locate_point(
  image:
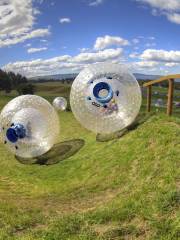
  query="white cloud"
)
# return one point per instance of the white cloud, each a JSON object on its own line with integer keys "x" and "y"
{"x": 145, "y": 64}
{"x": 64, "y": 20}
{"x": 16, "y": 16}
{"x": 163, "y": 4}
{"x": 150, "y": 61}
{"x": 43, "y": 40}
{"x": 17, "y": 21}
{"x": 40, "y": 1}
{"x": 169, "y": 8}
{"x": 100, "y": 56}
{"x": 63, "y": 63}
{"x": 134, "y": 55}
{"x": 135, "y": 41}
{"x": 155, "y": 61}
{"x": 106, "y": 41}
{"x": 28, "y": 45}
{"x": 82, "y": 50}
{"x": 94, "y": 3}
{"x": 151, "y": 38}
{"x": 148, "y": 45}
{"x": 161, "y": 55}
{"x": 22, "y": 38}
{"x": 146, "y": 67}
{"x": 174, "y": 17}
{"x": 34, "y": 50}
{"x": 171, "y": 64}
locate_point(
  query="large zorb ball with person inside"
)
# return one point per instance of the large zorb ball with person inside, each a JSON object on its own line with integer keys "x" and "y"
{"x": 29, "y": 126}
{"x": 105, "y": 97}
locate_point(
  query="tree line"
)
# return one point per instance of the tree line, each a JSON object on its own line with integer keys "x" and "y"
{"x": 10, "y": 81}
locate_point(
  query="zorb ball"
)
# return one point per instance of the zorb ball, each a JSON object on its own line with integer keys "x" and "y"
{"x": 60, "y": 104}
{"x": 29, "y": 126}
{"x": 105, "y": 98}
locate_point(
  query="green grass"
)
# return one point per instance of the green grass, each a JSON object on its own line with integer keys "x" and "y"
{"x": 127, "y": 188}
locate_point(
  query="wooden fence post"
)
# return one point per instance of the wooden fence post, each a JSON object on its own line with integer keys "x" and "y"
{"x": 149, "y": 93}
{"x": 170, "y": 96}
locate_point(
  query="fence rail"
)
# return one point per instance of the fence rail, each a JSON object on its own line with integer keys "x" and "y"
{"x": 170, "y": 79}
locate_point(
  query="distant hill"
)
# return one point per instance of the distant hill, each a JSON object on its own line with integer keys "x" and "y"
{"x": 54, "y": 77}
{"x": 139, "y": 76}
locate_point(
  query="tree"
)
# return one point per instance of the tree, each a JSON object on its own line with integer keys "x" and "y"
{"x": 5, "y": 82}
{"x": 24, "y": 89}
{"x": 10, "y": 80}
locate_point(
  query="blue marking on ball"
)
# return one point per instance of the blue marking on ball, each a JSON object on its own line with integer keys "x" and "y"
{"x": 16, "y": 132}
{"x": 103, "y": 86}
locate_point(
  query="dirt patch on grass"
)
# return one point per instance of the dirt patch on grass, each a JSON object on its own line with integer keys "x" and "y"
{"x": 59, "y": 206}
{"x": 136, "y": 229}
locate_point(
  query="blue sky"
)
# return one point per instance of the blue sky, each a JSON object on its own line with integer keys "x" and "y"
{"x": 47, "y": 37}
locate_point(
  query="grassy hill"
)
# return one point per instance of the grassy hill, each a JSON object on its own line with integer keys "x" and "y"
{"x": 127, "y": 188}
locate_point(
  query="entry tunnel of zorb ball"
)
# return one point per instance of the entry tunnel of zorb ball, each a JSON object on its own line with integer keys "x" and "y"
{"x": 29, "y": 126}
{"x": 105, "y": 98}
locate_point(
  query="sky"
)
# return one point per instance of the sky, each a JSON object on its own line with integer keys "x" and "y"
{"x": 44, "y": 37}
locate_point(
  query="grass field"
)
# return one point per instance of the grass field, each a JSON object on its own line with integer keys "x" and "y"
{"x": 127, "y": 188}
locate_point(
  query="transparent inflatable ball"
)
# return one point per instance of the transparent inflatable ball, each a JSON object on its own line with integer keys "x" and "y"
{"x": 105, "y": 98}
{"x": 29, "y": 126}
{"x": 60, "y": 103}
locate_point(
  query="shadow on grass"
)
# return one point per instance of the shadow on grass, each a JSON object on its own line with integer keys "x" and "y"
{"x": 141, "y": 118}
{"x": 59, "y": 152}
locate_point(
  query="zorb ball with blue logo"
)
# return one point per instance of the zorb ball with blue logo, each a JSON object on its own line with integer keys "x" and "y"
{"x": 29, "y": 126}
{"x": 105, "y": 97}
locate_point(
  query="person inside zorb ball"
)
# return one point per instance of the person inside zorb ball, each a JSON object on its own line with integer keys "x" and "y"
{"x": 105, "y": 97}
{"x": 29, "y": 126}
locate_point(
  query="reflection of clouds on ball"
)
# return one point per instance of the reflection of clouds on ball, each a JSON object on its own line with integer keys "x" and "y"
{"x": 60, "y": 103}
{"x": 105, "y": 97}
{"x": 29, "y": 126}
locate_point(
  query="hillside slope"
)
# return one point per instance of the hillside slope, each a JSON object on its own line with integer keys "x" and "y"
{"x": 126, "y": 188}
